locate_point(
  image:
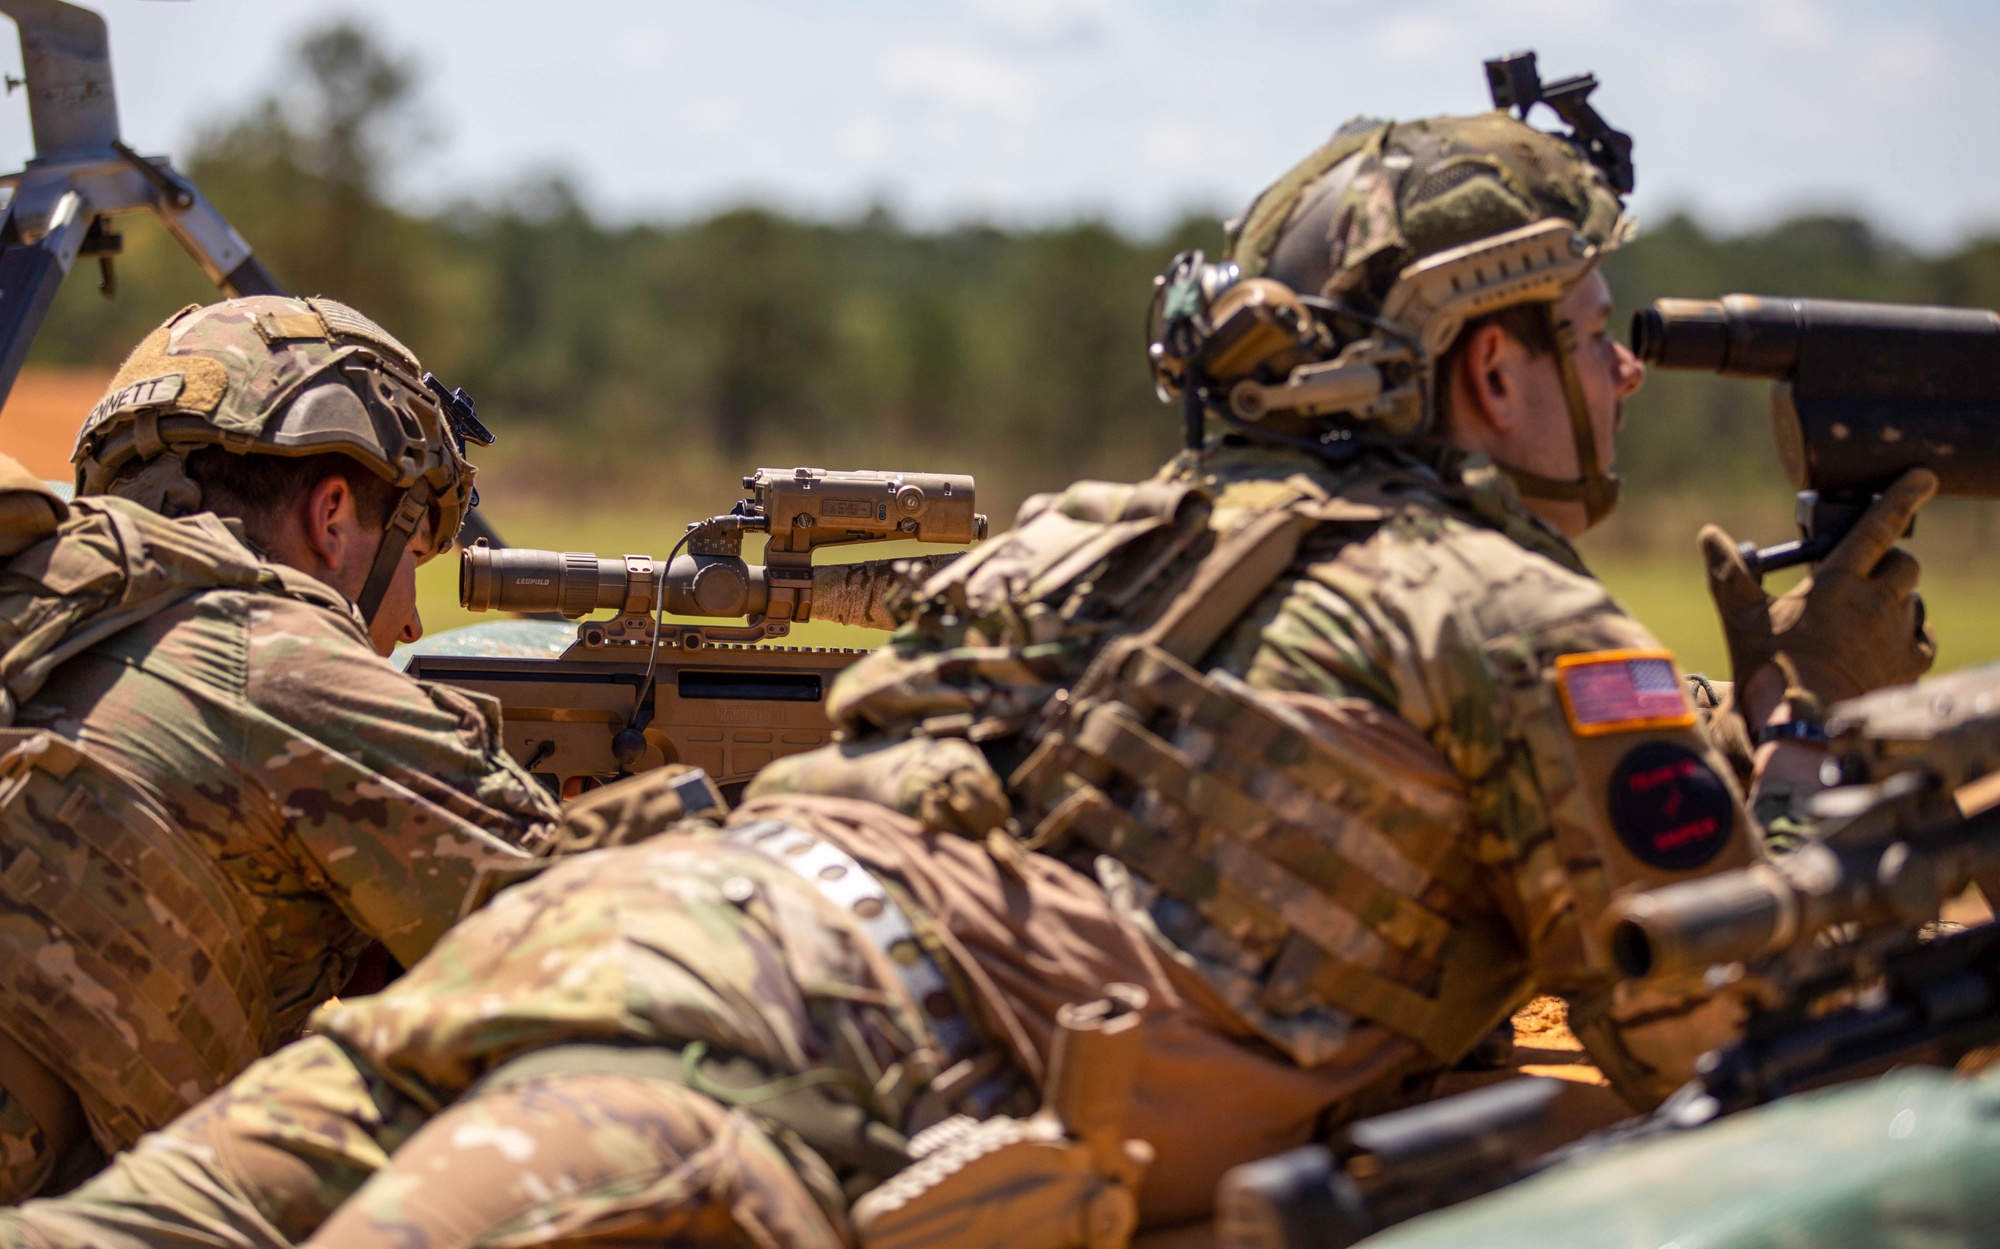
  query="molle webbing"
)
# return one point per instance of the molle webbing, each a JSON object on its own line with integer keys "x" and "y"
{"x": 126, "y": 963}
{"x": 1338, "y": 883}
{"x": 1268, "y": 831}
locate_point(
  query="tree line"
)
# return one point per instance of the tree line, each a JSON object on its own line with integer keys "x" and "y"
{"x": 752, "y": 336}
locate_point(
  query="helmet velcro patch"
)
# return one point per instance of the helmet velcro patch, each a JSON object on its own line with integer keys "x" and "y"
{"x": 203, "y": 380}
{"x": 344, "y": 322}
{"x": 151, "y": 379}
{"x": 1460, "y": 200}
{"x": 283, "y": 326}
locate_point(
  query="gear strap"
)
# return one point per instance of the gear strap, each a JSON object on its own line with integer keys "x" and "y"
{"x": 838, "y": 1130}
{"x": 1595, "y": 489}
{"x": 410, "y": 512}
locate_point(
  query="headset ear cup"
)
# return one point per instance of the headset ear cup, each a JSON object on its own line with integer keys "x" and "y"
{"x": 1261, "y": 330}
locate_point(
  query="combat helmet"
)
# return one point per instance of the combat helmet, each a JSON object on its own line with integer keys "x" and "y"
{"x": 1349, "y": 278}
{"x": 269, "y": 375}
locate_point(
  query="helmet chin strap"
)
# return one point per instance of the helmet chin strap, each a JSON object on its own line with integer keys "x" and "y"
{"x": 1596, "y": 489}
{"x": 396, "y": 535}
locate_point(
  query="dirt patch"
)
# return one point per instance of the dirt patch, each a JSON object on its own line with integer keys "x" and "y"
{"x": 1544, "y": 1024}
{"x": 44, "y": 410}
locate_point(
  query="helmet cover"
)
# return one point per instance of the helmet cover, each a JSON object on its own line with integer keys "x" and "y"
{"x": 272, "y": 375}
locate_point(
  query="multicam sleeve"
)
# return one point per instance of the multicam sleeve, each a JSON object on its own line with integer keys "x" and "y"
{"x": 1586, "y": 772}
{"x": 394, "y": 791}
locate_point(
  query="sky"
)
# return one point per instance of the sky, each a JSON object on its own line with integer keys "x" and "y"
{"x": 1021, "y": 111}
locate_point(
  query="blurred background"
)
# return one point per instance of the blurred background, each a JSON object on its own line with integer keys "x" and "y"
{"x": 664, "y": 243}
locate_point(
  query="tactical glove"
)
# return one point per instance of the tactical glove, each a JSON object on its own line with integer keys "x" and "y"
{"x": 1854, "y": 625}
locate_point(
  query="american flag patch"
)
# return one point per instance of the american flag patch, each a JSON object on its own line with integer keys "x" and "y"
{"x": 1617, "y": 691}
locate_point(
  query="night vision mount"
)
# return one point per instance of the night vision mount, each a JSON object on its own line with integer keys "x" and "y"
{"x": 1516, "y": 83}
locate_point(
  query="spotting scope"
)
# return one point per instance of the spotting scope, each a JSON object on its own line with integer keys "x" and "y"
{"x": 1860, "y": 393}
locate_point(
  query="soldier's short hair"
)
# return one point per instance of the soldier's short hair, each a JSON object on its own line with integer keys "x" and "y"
{"x": 259, "y": 489}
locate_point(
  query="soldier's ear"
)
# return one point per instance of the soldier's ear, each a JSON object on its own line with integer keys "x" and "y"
{"x": 1488, "y": 386}
{"x": 330, "y": 517}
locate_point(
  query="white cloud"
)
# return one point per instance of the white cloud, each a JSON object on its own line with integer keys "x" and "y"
{"x": 959, "y": 77}
{"x": 1071, "y": 24}
{"x": 1031, "y": 109}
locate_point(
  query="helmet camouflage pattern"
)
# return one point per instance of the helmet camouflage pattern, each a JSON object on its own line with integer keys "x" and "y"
{"x": 269, "y": 375}
{"x": 1373, "y": 254}
{"x": 1379, "y": 196}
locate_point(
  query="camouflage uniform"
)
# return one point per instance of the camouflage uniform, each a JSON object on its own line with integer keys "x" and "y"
{"x": 218, "y": 793}
{"x": 382, "y": 1126}
{"x": 1339, "y": 761}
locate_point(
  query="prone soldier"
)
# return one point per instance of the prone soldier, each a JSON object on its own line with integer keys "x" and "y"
{"x": 217, "y": 794}
{"x": 1324, "y": 738}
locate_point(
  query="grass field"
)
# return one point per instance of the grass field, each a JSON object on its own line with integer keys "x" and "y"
{"x": 1651, "y": 565}
{"x": 1669, "y": 595}
{"x": 1667, "y": 592}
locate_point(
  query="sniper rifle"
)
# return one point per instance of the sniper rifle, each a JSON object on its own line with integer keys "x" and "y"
{"x": 633, "y": 692}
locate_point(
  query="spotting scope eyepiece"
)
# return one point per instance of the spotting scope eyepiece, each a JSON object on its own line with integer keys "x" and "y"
{"x": 1892, "y": 353}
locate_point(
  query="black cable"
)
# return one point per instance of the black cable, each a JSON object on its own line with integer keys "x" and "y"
{"x": 659, "y": 603}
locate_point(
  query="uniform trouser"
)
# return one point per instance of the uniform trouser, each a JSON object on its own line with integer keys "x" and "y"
{"x": 311, "y": 1147}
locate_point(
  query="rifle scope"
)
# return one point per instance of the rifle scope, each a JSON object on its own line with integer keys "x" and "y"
{"x": 576, "y": 583}
{"x": 1840, "y": 878}
{"x": 1687, "y": 927}
{"x": 1864, "y": 391}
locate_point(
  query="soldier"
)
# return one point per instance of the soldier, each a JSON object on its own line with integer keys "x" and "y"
{"x": 217, "y": 793}
{"x": 1323, "y": 738}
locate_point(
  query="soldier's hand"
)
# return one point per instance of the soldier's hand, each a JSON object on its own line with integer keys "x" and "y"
{"x": 1854, "y": 625}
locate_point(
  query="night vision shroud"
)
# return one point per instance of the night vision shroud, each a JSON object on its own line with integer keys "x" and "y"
{"x": 1860, "y": 393}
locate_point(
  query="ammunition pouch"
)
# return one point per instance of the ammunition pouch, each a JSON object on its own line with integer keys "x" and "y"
{"x": 1269, "y": 848}
{"x": 1000, "y": 1184}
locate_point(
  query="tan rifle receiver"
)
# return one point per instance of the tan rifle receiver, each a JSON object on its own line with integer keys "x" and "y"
{"x": 633, "y": 692}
